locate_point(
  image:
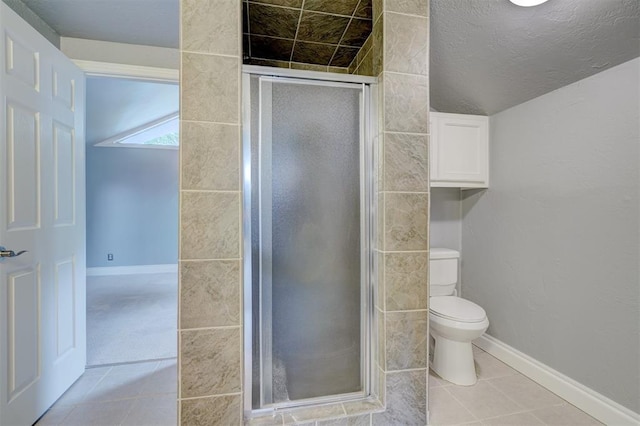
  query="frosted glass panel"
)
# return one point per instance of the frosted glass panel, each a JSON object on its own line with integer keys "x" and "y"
{"x": 309, "y": 241}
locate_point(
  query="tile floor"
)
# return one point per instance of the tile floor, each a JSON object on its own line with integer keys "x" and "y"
{"x": 502, "y": 396}
{"x": 144, "y": 394}
{"x": 139, "y": 394}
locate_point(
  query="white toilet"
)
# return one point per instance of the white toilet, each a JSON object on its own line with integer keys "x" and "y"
{"x": 453, "y": 321}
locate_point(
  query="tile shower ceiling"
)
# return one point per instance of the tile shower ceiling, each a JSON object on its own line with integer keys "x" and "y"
{"x": 321, "y": 32}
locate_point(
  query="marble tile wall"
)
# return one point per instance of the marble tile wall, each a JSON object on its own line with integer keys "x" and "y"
{"x": 400, "y": 58}
{"x": 210, "y": 321}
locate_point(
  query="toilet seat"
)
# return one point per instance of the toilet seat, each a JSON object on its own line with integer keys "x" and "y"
{"x": 456, "y": 309}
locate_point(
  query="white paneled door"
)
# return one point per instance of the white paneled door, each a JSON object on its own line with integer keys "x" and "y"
{"x": 42, "y": 210}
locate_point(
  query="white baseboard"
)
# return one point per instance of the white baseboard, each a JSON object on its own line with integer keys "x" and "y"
{"x": 591, "y": 402}
{"x": 131, "y": 270}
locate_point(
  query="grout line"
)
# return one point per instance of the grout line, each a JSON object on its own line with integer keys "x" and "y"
{"x": 344, "y": 32}
{"x": 209, "y": 396}
{"x": 406, "y": 14}
{"x": 209, "y": 260}
{"x": 407, "y": 370}
{"x": 405, "y": 73}
{"x": 213, "y": 122}
{"x": 407, "y": 192}
{"x": 408, "y": 310}
{"x": 405, "y": 133}
{"x": 234, "y": 191}
{"x": 295, "y": 37}
{"x": 195, "y": 52}
{"x": 460, "y": 402}
{"x": 290, "y": 39}
{"x": 221, "y": 327}
{"x": 296, "y": 8}
{"x": 248, "y": 31}
{"x": 404, "y": 251}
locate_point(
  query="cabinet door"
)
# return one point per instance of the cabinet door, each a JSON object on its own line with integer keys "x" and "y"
{"x": 462, "y": 149}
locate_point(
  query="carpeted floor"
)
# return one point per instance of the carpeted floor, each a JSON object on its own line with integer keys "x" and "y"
{"x": 131, "y": 318}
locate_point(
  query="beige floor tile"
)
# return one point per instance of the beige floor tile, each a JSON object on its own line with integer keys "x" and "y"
{"x": 564, "y": 415}
{"x": 488, "y": 367}
{"x": 483, "y": 400}
{"x": 154, "y": 411}
{"x": 476, "y": 350}
{"x": 436, "y": 381}
{"x": 444, "y": 409}
{"x": 138, "y": 368}
{"x": 526, "y": 392}
{"x": 116, "y": 387}
{"x": 55, "y": 416}
{"x": 77, "y": 393}
{"x": 97, "y": 371}
{"x": 99, "y": 414}
{"x": 520, "y": 419}
{"x": 163, "y": 380}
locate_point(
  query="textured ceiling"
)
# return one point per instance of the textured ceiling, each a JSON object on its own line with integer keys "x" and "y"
{"x": 490, "y": 55}
{"x": 147, "y": 22}
{"x": 316, "y": 32}
{"x": 486, "y": 55}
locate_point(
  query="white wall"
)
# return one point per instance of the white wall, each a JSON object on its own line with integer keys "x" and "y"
{"x": 120, "y": 53}
{"x": 551, "y": 250}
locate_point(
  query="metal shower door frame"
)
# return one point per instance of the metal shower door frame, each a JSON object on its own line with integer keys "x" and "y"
{"x": 269, "y": 76}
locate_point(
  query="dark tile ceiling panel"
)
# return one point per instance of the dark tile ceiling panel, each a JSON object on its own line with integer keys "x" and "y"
{"x": 271, "y": 48}
{"x": 319, "y": 32}
{"x": 321, "y": 28}
{"x": 296, "y": 4}
{"x": 273, "y": 21}
{"x": 357, "y": 32}
{"x": 344, "y": 56}
{"x": 337, "y": 7}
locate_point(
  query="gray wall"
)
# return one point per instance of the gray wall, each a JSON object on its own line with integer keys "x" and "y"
{"x": 132, "y": 206}
{"x": 446, "y": 218}
{"x": 551, "y": 249}
{"x": 132, "y": 193}
{"x": 34, "y": 20}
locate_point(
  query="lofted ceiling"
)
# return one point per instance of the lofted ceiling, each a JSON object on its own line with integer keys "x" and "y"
{"x": 116, "y": 105}
{"x": 486, "y": 55}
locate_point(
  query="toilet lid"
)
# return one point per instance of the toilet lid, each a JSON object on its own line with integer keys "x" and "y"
{"x": 456, "y": 308}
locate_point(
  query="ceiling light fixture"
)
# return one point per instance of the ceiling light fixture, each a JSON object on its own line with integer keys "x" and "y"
{"x": 527, "y": 3}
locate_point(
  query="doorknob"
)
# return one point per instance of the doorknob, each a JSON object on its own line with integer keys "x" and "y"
{"x": 10, "y": 253}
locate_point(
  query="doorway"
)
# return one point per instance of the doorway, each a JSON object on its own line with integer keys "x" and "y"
{"x": 132, "y": 220}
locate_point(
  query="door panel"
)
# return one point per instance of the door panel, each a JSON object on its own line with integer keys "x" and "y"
{"x": 42, "y": 292}
{"x": 23, "y": 151}
{"x": 63, "y": 158}
{"x": 22, "y": 61}
{"x": 24, "y": 336}
{"x": 65, "y": 307}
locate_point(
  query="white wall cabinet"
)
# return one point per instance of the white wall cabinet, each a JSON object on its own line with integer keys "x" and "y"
{"x": 459, "y": 150}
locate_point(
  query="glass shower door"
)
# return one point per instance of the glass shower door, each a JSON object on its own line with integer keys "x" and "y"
{"x": 310, "y": 239}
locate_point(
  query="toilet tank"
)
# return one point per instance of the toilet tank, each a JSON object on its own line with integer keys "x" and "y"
{"x": 443, "y": 271}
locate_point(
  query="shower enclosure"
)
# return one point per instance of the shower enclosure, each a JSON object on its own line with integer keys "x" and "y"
{"x": 308, "y": 224}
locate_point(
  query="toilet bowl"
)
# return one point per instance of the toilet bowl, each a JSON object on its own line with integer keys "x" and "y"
{"x": 454, "y": 323}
